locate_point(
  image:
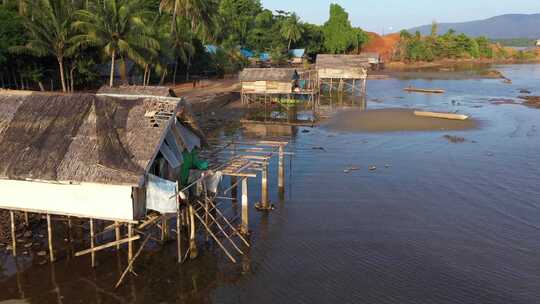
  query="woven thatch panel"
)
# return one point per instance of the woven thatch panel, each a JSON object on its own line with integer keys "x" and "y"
{"x": 261, "y": 74}
{"x": 79, "y": 138}
{"x": 267, "y": 87}
{"x": 138, "y": 90}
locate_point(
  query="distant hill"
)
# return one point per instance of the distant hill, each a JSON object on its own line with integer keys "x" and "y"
{"x": 500, "y": 27}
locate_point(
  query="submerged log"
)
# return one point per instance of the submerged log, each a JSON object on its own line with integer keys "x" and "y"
{"x": 419, "y": 90}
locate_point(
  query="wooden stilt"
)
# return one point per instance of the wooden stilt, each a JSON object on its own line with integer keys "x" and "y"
{"x": 245, "y": 207}
{"x": 264, "y": 188}
{"x": 13, "y": 234}
{"x": 130, "y": 244}
{"x": 234, "y": 191}
{"x": 178, "y": 226}
{"x": 49, "y": 231}
{"x": 164, "y": 229}
{"x": 179, "y": 235}
{"x": 117, "y": 233}
{"x": 281, "y": 169}
{"x": 193, "y": 252}
{"x": 26, "y": 221}
{"x": 92, "y": 244}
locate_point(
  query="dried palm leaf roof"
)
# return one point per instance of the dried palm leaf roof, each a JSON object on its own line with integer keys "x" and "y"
{"x": 325, "y": 61}
{"x": 82, "y": 138}
{"x": 267, "y": 74}
{"x": 137, "y": 90}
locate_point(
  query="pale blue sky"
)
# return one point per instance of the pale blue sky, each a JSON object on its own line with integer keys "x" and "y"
{"x": 376, "y": 15}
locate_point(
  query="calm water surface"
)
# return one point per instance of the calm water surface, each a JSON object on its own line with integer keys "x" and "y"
{"x": 437, "y": 222}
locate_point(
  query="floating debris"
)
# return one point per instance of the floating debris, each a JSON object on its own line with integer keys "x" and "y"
{"x": 42, "y": 253}
{"x": 524, "y": 91}
{"x": 387, "y": 166}
{"x": 454, "y": 139}
{"x": 372, "y": 168}
{"x": 319, "y": 148}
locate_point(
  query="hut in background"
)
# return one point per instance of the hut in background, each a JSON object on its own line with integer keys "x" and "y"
{"x": 337, "y": 71}
{"x": 261, "y": 84}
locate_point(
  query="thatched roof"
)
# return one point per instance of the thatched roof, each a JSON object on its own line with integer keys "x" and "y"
{"x": 83, "y": 137}
{"x": 262, "y": 74}
{"x": 137, "y": 90}
{"x": 325, "y": 61}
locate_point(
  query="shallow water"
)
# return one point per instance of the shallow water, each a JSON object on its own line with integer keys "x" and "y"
{"x": 436, "y": 222}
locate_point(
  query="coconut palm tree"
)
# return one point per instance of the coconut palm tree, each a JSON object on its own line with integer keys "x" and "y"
{"x": 292, "y": 29}
{"x": 121, "y": 28}
{"x": 200, "y": 13}
{"x": 181, "y": 43}
{"x": 49, "y": 30}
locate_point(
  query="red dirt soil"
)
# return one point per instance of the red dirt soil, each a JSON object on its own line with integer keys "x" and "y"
{"x": 384, "y": 45}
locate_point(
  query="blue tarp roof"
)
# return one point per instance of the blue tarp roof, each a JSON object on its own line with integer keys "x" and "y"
{"x": 297, "y": 53}
{"x": 265, "y": 56}
{"x": 210, "y": 48}
{"x": 246, "y": 53}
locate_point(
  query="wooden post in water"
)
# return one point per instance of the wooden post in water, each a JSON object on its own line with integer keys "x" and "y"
{"x": 281, "y": 169}
{"x": 164, "y": 229}
{"x": 92, "y": 243}
{"x": 49, "y": 231}
{"x": 26, "y": 221}
{"x": 117, "y": 233}
{"x": 13, "y": 234}
{"x": 244, "y": 228}
{"x": 234, "y": 190}
{"x": 193, "y": 252}
{"x": 130, "y": 244}
{"x": 178, "y": 225}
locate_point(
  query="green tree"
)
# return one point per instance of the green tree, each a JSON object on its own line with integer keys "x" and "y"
{"x": 338, "y": 32}
{"x": 119, "y": 28}
{"x": 292, "y": 30}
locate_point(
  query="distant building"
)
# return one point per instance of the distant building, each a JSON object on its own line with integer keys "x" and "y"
{"x": 297, "y": 56}
{"x": 538, "y": 43}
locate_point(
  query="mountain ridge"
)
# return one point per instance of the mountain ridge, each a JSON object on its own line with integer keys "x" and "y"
{"x": 507, "y": 26}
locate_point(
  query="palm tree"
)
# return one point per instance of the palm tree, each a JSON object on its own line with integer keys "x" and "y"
{"x": 181, "y": 43}
{"x": 200, "y": 13}
{"x": 49, "y": 29}
{"x": 292, "y": 29}
{"x": 121, "y": 28}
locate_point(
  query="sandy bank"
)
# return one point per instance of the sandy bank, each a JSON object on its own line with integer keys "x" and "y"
{"x": 392, "y": 120}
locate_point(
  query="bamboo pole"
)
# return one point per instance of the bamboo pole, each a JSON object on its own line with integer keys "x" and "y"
{"x": 131, "y": 261}
{"x": 49, "y": 231}
{"x": 230, "y": 224}
{"x": 264, "y": 188}
{"x": 220, "y": 228}
{"x": 105, "y": 246}
{"x": 13, "y": 236}
{"x": 92, "y": 236}
{"x": 216, "y": 239}
{"x": 26, "y": 221}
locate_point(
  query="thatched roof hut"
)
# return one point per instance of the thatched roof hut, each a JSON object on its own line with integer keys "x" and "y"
{"x": 134, "y": 90}
{"x": 86, "y": 155}
{"x": 342, "y": 66}
{"x": 267, "y": 81}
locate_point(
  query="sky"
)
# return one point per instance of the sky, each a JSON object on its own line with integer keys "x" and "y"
{"x": 394, "y": 15}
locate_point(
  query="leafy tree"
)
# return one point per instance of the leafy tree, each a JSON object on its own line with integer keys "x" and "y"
{"x": 338, "y": 32}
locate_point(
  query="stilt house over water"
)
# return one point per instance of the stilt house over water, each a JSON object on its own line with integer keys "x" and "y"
{"x": 87, "y": 155}
{"x": 338, "y": 71}
{"x": 262, "y": 84}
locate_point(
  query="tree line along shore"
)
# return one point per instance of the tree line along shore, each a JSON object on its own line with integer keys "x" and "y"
{"x": 76, "y": 45}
